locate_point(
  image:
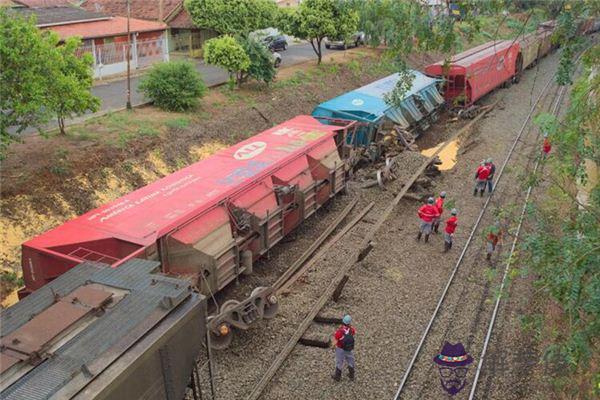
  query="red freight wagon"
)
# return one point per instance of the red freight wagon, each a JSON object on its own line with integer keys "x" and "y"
{"x": 209, "y": 221}
{"x": 474, "y": 73}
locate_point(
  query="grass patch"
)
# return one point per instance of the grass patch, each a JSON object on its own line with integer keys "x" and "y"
{"x": 298, "y": 79}
{"x": 11, "y": 278}
{"x": 178, "y": 123}
{"x": 60, "y": 165}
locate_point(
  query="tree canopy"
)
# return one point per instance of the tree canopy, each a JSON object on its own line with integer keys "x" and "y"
{"x": 39, "y": 78}
{"x": 70, "y": 89}
{"x": 233, "y": 17}
{"x": 314, "y": 20}
{"x": 228, "y": 53}
{"x": 26, "y": 58}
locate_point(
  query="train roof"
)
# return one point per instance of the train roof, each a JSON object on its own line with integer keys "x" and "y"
{"x": 468, "y": 58}
{"x": 151, "y": 211}
{"x": 61, "y": 338}
{"x": 367, "y": 103}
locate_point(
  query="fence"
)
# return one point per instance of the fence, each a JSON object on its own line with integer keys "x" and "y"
{"x": 111, "y": 58}
{"x": 189, "y": 42}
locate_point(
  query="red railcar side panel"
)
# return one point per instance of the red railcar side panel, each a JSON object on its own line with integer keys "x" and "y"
{"x": 476, "y": 72}
{"x": 132, "y": 225}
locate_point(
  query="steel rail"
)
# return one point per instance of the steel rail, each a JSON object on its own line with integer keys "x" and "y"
{"x": 507, "y": 268}
{"x": 354, "y": 256}
{"x": 468, "y": 242}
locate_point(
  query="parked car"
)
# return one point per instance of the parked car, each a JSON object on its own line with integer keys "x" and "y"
{"x": 355, "y": 40}
{"x": 276, "y": 42}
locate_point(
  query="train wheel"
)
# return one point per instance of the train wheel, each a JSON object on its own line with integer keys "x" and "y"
{"x": 271, "y": 305}
{"x": 222, "y": 338}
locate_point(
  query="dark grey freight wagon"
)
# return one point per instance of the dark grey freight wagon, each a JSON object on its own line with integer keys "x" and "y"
{"x": 98, "y": 332}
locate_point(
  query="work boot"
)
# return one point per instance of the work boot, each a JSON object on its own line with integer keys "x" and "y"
{"x": 351, "y": 373}
{"x": 481, "y": 193}
{"x": 337, "y": 375}
{"x": 419, "y": 236}
{"x": 446, "y": 247}
{"x": 475, "y": 192}
{"x": 426, "y": 238}
{"x": 489, "y": 256}
{"x": 436, "y": 227}
{"x": 450, "y": 246}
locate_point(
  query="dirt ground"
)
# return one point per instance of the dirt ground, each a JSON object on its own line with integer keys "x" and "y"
{"x": 392, "y": 293}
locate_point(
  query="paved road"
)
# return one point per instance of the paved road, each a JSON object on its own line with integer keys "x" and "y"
{"x": 113, "y": 94}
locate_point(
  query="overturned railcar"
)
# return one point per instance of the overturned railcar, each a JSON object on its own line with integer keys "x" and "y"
{"x": 368, "y": 107}
{"x": 210, "y": 221}
{"x": 474, "y": 73}
{"x": 103, "y": 333}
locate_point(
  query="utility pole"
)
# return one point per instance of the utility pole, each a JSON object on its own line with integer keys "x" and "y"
{"x": 128, "y": 57}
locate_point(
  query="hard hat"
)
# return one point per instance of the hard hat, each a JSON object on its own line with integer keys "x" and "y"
{"x": 489, "y": 161}
{"x": 545, "y": 134}
{"x": 443, "y": 194}
{"x": 431, "y": 200}
{"x": 347, "y": 319}
{"x": 454, "y": 211}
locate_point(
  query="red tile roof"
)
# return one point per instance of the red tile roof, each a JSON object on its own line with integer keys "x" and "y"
{"x": 143, "y": 9}
{"x": 115, "y": 26}
{"x": 45, "y": 3}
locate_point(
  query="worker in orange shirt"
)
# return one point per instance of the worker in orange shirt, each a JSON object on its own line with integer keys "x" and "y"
{"x": 493, "y": 239}
{"x": 546, "y": 146}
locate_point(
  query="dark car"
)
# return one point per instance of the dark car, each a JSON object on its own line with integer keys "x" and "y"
{"x": 276, "y": 42}
{"x": 355, "y": 40}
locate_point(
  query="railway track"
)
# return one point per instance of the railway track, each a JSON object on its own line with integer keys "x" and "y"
{"x": 420, "y": 379}
{"x": 359, "y": 253}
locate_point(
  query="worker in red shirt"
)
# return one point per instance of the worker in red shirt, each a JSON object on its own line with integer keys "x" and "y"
{"x": 490, "y": 179}
{"x": 343, "y": 340}
{"x": 451, "y": 224}
{"x": 427, "y": 213}
{"x": 439, "y": 204}
{"x": 493, "y": 238}
{"x": 481, "y": 176}
{"x": 546, "y": 146}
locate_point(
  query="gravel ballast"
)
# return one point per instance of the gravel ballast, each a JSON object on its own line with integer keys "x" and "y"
{"x": 391, "y": 293}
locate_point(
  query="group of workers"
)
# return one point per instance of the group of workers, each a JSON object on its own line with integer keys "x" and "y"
{"x": 430, "y": 215}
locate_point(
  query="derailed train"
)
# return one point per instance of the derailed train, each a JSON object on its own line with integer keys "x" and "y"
{"x": 209, "y": 222}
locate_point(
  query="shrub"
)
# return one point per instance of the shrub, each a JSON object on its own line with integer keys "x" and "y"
{"x": 173, "y": 86}
{"x": 261, "y": 61}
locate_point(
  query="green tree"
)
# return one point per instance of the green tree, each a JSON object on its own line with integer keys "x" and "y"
{"x": 174, "y": 85}
{"x": 232, "y": 17}
{"x": 70, "y": 88}
{"x": 314, "y": 20}
{"x": 27, "y": 61}
{"x": 261, "y": 61}
{"x": 228, "y": 53}
{"x": 563, "y": 250}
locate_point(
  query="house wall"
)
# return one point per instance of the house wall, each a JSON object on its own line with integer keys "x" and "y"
{"x": 110, "y": 53}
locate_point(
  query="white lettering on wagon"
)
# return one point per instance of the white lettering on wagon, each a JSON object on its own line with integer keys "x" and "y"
{"x": 249, "y": 150}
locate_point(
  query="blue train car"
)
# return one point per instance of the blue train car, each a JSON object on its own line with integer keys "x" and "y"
{"x": 367, "y": 105}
